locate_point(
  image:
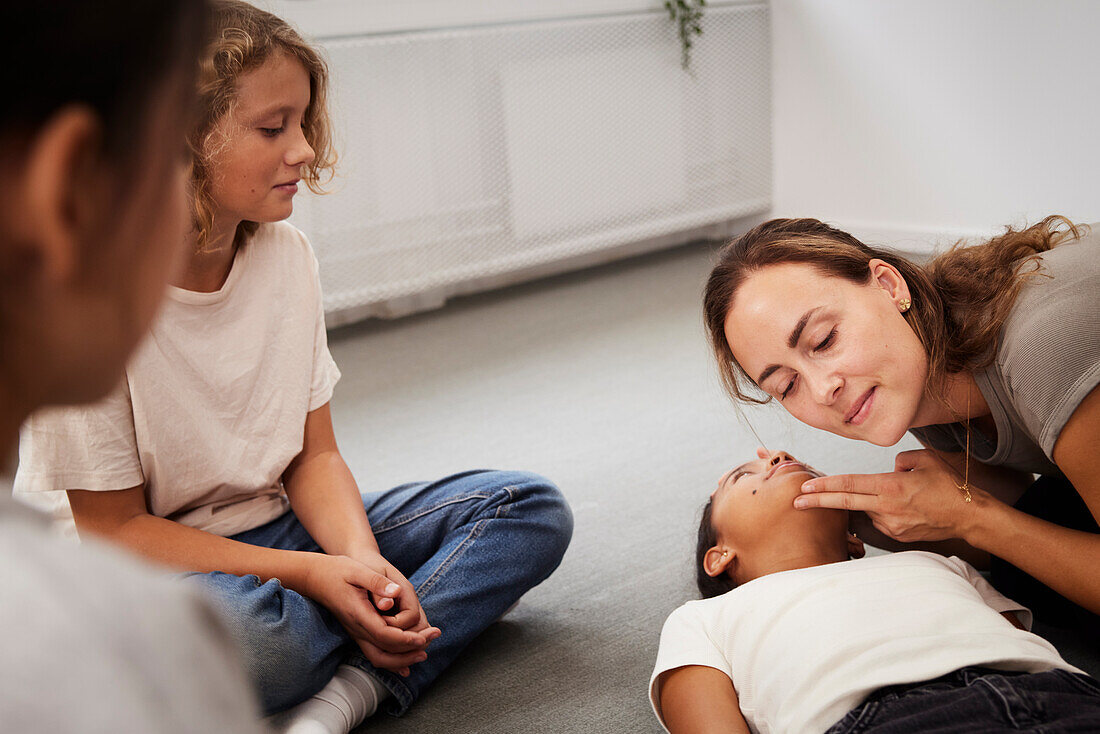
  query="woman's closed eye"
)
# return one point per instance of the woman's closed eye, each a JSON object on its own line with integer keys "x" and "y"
{"x": 821, "y": 346}
{"x": 826, "y": 342}
{"x": 787, "y": 390}
{"x": 272, "y": 131}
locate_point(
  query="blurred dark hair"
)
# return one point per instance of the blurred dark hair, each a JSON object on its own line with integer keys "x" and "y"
{"x": 111, "y": 55}
{"x": 709, "y": 585}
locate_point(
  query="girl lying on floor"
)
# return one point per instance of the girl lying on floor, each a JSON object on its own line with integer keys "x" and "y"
{"x": 795, "y": 637}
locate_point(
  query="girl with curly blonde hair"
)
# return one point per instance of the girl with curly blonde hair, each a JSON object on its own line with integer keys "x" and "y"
{"x": 216, "y": 455}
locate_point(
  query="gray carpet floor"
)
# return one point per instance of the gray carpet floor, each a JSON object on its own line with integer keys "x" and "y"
{"x": 600, "y": 380}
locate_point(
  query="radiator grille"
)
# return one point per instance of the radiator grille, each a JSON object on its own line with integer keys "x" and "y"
{"x": 478, "y": 152}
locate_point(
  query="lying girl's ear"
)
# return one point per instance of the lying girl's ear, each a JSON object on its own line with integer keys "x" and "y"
{"x": 718, "y": 559}
{"x": 60, "y": 194}
{"x": 855, "y": 546}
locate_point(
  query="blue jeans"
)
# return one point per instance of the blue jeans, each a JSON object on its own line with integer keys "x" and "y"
{"x": 471, "y": 544}
{"x": 973, "y": 700}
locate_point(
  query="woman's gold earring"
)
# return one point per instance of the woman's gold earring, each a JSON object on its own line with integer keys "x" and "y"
{"x": 904, "y": 304}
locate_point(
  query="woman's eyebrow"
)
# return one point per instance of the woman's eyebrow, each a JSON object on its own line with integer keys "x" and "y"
{"x": 792, "y": 342}
{"x": 796, "y": 333}
{"x": 766, "y": 374}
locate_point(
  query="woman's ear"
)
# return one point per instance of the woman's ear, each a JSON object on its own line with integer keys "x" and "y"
{"x": 887, "y": 277}
{"x": 60, "y": 191}
{"x": 718, "y": 559}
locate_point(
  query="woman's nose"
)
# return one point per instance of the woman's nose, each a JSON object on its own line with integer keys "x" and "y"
{"x": 779, "y": 456}
{"x": 825, "y": 388}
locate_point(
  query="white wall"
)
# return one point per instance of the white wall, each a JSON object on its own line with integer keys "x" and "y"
{"x": 333, "y": 18}
{"x": 917, "y": 118}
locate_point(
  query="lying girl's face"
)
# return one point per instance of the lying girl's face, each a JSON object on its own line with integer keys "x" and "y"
{"x": 838, "y": 355}
{"x": 758, "y": 494}
{"x": 256, "y": 172}
{"x": 774, "y": 470}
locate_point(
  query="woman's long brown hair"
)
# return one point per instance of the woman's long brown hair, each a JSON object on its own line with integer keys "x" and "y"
{"x": 960, "y": 299}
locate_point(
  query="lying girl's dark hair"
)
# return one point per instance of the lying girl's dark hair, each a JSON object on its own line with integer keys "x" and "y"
{"x": 960, "y": 300}
{"x": 110, "y": 55}
{"x": 709, "y": 585}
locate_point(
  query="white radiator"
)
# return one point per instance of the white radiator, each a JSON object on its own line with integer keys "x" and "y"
{"x": 479, "y": 156}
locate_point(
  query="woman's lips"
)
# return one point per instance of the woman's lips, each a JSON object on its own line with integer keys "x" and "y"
{"x": 858, "y": 413}
{"x": 290, "y": 188}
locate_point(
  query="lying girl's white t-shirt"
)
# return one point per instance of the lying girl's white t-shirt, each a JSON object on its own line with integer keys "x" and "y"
{"x": 214, "y": 401}
{"x": 805, "y": 647}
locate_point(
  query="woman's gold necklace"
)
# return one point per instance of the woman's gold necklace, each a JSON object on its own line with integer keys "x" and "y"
{"x": 965, "y": 486}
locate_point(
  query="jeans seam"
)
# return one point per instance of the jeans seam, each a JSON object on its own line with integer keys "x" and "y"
{"x": 992, "y": 684}
{"x": 867, "y": 712}
{"x": 406, "y": 519}
{"x": 474, "y": 533}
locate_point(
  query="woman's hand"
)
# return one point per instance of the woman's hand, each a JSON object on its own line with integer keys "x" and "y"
{"x": 920, "y": 500}
{"x": 345, "y": 586}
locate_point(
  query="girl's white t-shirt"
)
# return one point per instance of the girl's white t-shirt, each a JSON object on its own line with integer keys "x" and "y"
{"x": 213, "y": 405}
{"x": 805, "y": 647}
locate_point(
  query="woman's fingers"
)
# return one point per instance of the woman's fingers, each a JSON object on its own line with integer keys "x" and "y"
{"x": 837, "y": 501}
{"x": 841, "y": 492}
{"x": 912, "y": 459}
{"x": 853, "y": 483}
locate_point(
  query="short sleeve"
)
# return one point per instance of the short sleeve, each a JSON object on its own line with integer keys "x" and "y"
{"x": 90, "y": 447}
{"x": 1057, "y": 313}
{"x": 994, "y": 599}
{"x": 325, "y": 372}
{"x": 684, "y": 641}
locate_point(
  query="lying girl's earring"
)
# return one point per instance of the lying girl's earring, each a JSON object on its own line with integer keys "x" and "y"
{"x": 904, "y": 304}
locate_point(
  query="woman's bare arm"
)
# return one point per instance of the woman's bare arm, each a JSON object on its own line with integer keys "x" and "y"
{"x": 1065, "y": 560}
{"x": 697, "y": 699}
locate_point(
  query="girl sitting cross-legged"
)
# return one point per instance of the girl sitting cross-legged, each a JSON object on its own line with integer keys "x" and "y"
{"x": 216, "y": 455}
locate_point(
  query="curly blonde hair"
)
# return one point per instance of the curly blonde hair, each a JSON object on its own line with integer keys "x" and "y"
{"x": 960, "y": 299}
{"x": 242, "y": 39}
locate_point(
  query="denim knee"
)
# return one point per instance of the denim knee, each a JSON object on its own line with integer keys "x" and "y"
{"x": 287, "y": 646}
{"x": 539, "y": 501}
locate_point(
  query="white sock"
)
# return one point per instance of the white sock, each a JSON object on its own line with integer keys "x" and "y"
{"x": 351, "y": 696}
